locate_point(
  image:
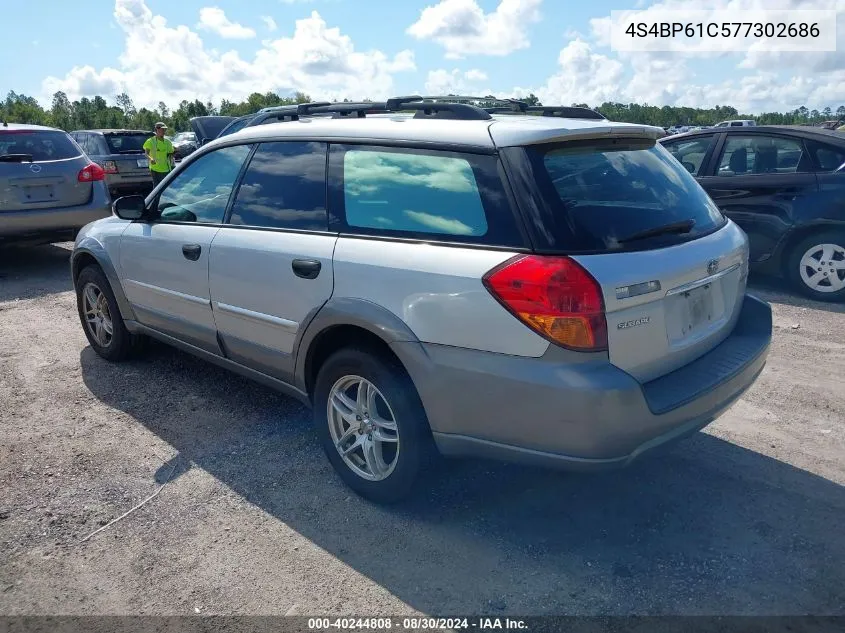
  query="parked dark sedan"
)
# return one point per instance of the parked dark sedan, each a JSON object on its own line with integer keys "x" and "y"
{"x": 785, "y": 187}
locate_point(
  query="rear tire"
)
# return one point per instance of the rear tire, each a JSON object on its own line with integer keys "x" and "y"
{"x": 347, "y": 420}
{"x": 817, "y": 266}
{"x": 100, "y": 316}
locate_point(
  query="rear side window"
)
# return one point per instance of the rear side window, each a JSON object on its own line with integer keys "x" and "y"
{"x": 284, "y": 187}
{"x": 598, "y": 195}
{"x": 759, "y": 154}
{"x": 40, "y": 145}
{"x": 426, "y": 194}
{"x": 827, "y": 157}
{"x": 126, "y": 143}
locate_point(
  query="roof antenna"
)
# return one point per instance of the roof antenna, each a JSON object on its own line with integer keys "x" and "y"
{"x": 5, "y": 123}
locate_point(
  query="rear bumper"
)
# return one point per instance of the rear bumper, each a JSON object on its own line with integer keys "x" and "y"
{"x": 120, "y": 185}
{"x": 25, "y": 224}
{"x": 579, "y": 415}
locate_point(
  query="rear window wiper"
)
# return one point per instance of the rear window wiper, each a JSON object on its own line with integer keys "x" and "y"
{"x": 16, "y": 158}
{"x": 681, "y": 227}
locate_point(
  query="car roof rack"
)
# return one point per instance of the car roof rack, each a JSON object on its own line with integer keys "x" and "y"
{"x": 424, "y": 108}
{"x": 453, "y": 107}
{"x": 564, "y": 112}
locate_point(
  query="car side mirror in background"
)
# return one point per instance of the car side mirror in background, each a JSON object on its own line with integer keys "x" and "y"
{"x": 129, "y": 207}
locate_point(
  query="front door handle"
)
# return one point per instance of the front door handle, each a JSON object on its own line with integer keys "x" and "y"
{"x": 306, "y": 268}
{"x": 191, "y": 251}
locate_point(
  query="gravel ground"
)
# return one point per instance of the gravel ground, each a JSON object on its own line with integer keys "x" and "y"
{"x": 745, "y": 518}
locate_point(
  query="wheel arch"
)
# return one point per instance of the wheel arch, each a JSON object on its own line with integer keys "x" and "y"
{"x": 799, "y": 234}
{"x": 91, "y": 252}
{"x": 343, "y": 322}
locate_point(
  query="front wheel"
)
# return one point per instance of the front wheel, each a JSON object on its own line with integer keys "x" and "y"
{"x": 371, "y": 423}
{"x": 817, "y": 266}
{"x": 100, "y": 315}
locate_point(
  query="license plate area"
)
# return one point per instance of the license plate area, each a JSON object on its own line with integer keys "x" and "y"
{"x": 694, "y": 314}
{"x": 143, "y": 162}
{"x": 38, "y": 193}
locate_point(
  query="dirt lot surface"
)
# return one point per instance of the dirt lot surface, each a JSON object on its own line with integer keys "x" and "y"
{"x": 745, "y": 518}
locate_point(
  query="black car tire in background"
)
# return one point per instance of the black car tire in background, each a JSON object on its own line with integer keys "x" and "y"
{"x": 813, "y": 247}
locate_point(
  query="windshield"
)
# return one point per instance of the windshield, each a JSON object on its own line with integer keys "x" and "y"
{"x": 184, "y": 137}
{"x": 126, "y": 143}
{"x": 236, "y": 126}
{"x": 600, "y": 193}
{"x": 41, "y": 145}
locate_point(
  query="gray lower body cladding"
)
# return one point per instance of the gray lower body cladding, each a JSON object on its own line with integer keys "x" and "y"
{"x": 578, "y": 415}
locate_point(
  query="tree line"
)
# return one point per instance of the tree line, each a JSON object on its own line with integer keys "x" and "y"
{"x": 95, "y": 113}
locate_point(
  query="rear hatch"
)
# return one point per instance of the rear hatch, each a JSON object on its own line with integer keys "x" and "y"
{"x": 126, "y": 154}
{"x": 39, "y": 169}
{"x": 672, "y": 269}
{"x": 207, "y": 128}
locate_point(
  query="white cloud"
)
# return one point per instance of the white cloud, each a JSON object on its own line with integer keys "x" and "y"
{"x": 269, "y": 22}
{"x": 214, "y": 19}
{"x": 588, "y": 71}
{"x": 583, "y": 76}
{"x": 444, "y": 82}
{"x": 462, "y": 28}
{"x": 315, "y": 59}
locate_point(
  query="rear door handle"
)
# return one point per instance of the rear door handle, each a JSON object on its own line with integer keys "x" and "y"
{"x": 306, "y": 268}
{"x": 191, "y": 251}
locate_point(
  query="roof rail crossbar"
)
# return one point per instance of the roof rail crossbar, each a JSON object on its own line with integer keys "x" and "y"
{"x": 567, "y": 112}
{"x": 347, "y": 110}
{"x": 427, "y": 107}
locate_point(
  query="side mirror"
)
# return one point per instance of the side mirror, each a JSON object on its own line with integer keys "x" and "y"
{"x": 129, "y": 207}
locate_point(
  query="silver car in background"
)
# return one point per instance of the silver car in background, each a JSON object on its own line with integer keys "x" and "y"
{"x": 532, "y": 284}
{"x": 49, "y": 188}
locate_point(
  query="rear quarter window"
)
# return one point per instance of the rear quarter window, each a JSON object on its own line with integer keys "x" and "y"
{"x": 424, "y": 194}
{"x": 827, "y": 157}
{"x": 595, "y": 194}
{"x": 43, "y": 146}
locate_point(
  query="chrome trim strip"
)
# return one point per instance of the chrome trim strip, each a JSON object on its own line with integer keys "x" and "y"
{"x": 701, "y": 282}
{"x": 169, "y": 293}
{"x": 259, "y": 317}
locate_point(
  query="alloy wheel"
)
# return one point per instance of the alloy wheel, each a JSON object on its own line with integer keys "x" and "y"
{"x": 95, "y": 306}
{"x": 363, "y": 428}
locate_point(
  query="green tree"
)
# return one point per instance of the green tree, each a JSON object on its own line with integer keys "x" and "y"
{"x": 62, "y": 111}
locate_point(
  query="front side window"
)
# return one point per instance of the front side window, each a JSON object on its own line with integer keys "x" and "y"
{"x": 758, "y": 154}
{"x": 284, "y": 187}
{"x": 610, "y": 195}
{"x": 200, "y": 192}
{"x": 690, "y": 153}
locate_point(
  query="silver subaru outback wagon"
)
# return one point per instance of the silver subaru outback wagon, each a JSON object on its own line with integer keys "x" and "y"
{"x": 529, "y": 284}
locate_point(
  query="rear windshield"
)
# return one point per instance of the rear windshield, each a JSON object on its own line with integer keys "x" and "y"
{"x": 126, "y": 143}
{"x": 600, "y": 194}
{"x": 40, "y": 145}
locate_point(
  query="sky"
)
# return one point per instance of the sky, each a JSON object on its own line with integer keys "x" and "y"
{"x": 168, "y": 50}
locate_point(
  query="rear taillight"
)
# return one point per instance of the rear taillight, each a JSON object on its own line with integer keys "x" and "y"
{"x": 90, "y": 173}
{"x": 110, "y": 167}
{"x": 555, "y": 297}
